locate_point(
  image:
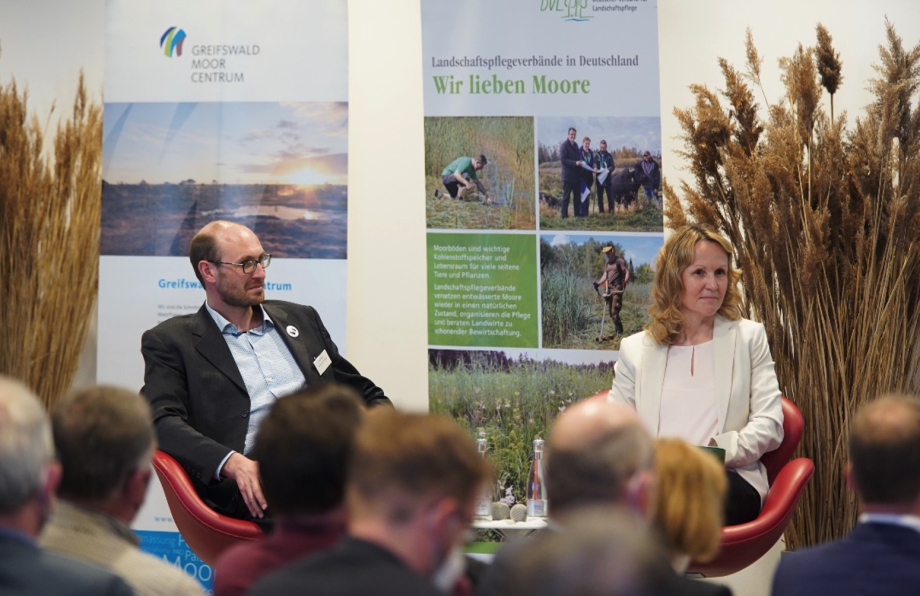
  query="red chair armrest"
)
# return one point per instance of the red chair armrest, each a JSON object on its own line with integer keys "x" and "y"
{"x": 743, "y": 544}
{"x": 778, "y": 506}
{"x": 207, "y": 532}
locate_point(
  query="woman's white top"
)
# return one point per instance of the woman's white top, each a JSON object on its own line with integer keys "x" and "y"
{"x": 688, "y": 396}
{"x": 688, "y": 401}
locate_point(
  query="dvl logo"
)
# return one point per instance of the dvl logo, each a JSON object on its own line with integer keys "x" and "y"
{"x": 573, "y": 9}
{"x": 171, "y": 42}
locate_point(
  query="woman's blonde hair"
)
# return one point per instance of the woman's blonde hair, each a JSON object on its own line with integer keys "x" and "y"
{"x": 676, "y": 255}
{"x": 689, "y": 498}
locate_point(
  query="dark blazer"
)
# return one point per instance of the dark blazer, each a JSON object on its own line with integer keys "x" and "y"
{"x": 352, "y": 568}
{"x": 653, "y": 178}
{"x": 27, "y": 570}
{"x": 569, "y": 153}
{"x": 199, "y": 400}
{"x": 501, "y": 577}
{"x": 882, "y": 559}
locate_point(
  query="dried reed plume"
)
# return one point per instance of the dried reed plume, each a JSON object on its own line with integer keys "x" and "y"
{"x": 49, "y": 240}
{"x": 824, "y": 220}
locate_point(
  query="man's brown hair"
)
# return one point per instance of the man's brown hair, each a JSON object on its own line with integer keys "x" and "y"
{"x": 203, "y": 248}
{"x": 885, "y": 450}
{"x": 398, "y": 454}
{"x": 303, "y": 446}
{"x": 101, "y": 434}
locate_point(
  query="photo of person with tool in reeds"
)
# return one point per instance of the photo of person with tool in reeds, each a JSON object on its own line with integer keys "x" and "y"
{"x": 595, "y": 288}
{"x": 479, "y": 173}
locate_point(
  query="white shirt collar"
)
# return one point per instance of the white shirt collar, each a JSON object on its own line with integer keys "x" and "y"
{"x": 895, "y": 519}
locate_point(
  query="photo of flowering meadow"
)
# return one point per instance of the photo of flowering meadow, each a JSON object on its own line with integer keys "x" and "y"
{"x": 513, "y": 400}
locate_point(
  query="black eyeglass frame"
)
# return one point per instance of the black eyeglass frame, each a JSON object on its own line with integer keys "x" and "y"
{"x": 249, "y": 265}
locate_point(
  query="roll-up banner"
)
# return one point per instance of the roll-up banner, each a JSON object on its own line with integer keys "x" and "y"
{"x": 542, "y": 157}
{"x": 218, "y": 109}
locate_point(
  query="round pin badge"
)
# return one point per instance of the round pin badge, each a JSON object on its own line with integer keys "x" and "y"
{"x": 292, "y": 331}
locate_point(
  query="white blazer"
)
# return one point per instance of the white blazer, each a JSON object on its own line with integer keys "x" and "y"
{"x": 748, "y": 402}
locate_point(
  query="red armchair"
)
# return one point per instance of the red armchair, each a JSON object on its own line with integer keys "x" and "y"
{"x": 744, "y": 544}
{"x": 207, "y": 532}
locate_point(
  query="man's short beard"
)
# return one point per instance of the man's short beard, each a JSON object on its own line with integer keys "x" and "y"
{"x": 239, "y": 297}
{"x": 243, "y": 301}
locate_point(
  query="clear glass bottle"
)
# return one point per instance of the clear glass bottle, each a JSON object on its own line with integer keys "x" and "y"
{"x": 484, "y": 502}
{"x": 537, "y": 501}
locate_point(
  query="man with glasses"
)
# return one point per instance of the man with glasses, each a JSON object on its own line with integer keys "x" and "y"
{"x": 212, "y": 376}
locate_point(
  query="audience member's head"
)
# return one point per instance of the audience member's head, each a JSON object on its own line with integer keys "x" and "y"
{"x": 599, "y": 454}
{"x": 28, "y": 472}
{"x": 605, "y": 552}
{"x": 884, "y": 467}
{"x": 690, "y": 491}
{"x": 412, "y": 485}
{"x": 105, "y": 440}
{"x": 303, "y": 446}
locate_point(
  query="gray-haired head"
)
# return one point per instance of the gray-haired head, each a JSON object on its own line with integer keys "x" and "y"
{"x": 26, "y": 446}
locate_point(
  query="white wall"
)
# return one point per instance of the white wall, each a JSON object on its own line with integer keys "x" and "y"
{"x": 387, "y": 333}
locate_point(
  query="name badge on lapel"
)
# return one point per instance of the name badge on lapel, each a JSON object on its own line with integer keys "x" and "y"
{"x": 322, "y": 362}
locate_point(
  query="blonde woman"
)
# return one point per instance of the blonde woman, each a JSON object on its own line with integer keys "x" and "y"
{"x": 689, "y": 501}
{"x": 701, "y": 372}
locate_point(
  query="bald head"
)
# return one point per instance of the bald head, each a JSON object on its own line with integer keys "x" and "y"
{"x": 215, "y": 240}
{"x": 885, "y": 452}
{"x": 587, "y": 420}
{"x": 596, "y": 448}
{"x": 225, "y": 229}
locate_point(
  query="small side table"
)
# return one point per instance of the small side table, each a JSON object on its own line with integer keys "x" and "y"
{"x": 510, "y": 529}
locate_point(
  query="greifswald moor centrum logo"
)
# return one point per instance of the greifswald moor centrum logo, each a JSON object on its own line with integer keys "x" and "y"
{"x": 171, "y": 42}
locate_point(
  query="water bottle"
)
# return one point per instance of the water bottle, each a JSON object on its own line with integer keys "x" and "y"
{"x": 537, "y": 501}
{"x": 484, "y": 502}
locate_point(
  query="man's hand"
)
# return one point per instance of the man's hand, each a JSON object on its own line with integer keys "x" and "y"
{"x": 246, "y": 473}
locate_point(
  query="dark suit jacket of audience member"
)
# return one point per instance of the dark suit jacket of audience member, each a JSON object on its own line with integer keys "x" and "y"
{"x": 352, "y": 568}
{"x": 875, "y": 558}
{"x": 199, "y": 400}
{"x": 27, "y": 570}
{"x": 499, "y": 579}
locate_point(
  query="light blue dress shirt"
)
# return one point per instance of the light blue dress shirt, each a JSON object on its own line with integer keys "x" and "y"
{"x": 267, "y": 366}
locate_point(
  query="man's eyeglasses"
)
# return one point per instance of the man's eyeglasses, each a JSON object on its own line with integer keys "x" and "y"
{"x": 249, "y": 265}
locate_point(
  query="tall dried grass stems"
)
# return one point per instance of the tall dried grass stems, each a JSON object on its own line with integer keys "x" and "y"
{"x": 825, "y": 221}
{"x": 49, "y": 239}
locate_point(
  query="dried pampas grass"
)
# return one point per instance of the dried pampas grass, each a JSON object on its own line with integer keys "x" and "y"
{"x": 49, "y": 239}
{"x": 825, "y": 221}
